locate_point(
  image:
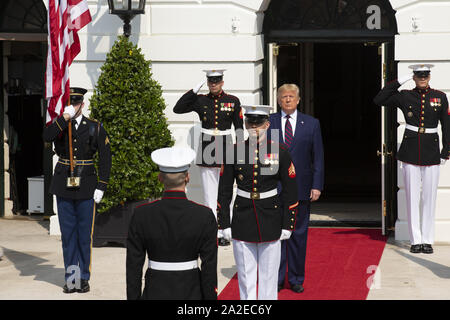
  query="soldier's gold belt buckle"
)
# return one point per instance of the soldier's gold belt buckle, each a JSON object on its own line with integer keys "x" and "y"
{"x": 73, "y": 182}
{"x": 421, "y": 130}
{"x": 254, "y": 195}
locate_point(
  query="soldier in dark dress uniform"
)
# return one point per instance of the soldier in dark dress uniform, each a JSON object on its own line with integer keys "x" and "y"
{"x": 173, "y": 232}
{"x": 76, "y": 204}
{"x": 423, "y": 108}
{"x": 260, "y": 219}
{"x": 217, "y": 111}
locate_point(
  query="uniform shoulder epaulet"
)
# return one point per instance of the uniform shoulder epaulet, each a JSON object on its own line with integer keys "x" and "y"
{"x": 232, "y": 96}
{"x": 200, "y": 204}
{"x": 93, "y": 120}
{"x": 148, "y": 203}
{"x": 439, "y": 91}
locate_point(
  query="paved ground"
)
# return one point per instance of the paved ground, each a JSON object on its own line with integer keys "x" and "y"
{"x": 32, "y": 268}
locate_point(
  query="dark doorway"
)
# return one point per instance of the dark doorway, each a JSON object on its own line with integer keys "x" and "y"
{"x": 26, "y": 112}
{"x": 343, "y": 79}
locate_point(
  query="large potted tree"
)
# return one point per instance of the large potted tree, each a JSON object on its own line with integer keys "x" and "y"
{"x": 129, "y": 104}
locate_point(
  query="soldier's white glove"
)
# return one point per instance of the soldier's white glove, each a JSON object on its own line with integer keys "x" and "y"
{"x": 70, "y": 110}
{"x": 443, "y": 161}
{"x": 405, "y": 78}
{"x": 226, "y": 234}
{"x": 285, "y": 234}
{"x": 98, "y": 195}
{"x": 197, "y": 87}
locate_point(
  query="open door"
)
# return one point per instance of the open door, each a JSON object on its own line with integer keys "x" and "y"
{"x": 272, "y": 75}
{"x": 388, "y": 146}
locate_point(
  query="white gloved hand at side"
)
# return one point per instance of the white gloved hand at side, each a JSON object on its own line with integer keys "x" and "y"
{"x": 226, "y": 234}
{"x": 285, "y": 234}
{"x": 196, "y": 89}
{"x": 405, "y": 78}
{"x": 98, "y": 195}
{"x": 70, "y": 110}
{"x": 443, "y": 161}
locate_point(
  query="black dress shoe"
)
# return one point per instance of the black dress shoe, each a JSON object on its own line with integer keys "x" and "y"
{"x": 67, "y": 290}
{"x": 297, "y": 288}
{"x": 84, "y": 286}
{"x": 223, "y": 242}
{"x": 416, "y": 248}
{"x": 427, "y": 248}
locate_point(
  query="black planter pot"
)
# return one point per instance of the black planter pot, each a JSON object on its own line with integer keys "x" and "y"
{"x": 111, "y": 227}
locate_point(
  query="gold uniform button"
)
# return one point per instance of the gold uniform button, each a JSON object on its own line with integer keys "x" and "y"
{"x": 74, "y": 140}
{"x": 204, "y": 118}
{"x": 217, "y": 117}
{"x": 255, "y": 166}
{"x": 292, "y": 227}
{"x": 256, "y": 158}
{"x": 255, "y": 189}
{"x": 74, "y": 157}
{"x": 255, "y": 173}
{"x": 217, "y": 111}
{"x": 216, "y": 122}
{"x": 275, "y": 206}
{"x": 423, "y": 101}
{"x": 422, "y": 124}
{"x": 255, "y": 181}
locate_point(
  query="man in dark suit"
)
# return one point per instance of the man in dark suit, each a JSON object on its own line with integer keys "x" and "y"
{"x": 301, "y": 133}
{"x": 173, "y": 232}
{"x": 76, "y": 207}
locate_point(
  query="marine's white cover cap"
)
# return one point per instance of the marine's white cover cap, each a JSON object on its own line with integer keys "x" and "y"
{"x": 257, "y": 109}
{"x": 421, "y": 67}
{"x": 173, "y": 159}
{"x": 214, "y": 72}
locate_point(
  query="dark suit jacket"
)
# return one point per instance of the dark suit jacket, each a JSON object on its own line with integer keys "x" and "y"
{"x": 306, "y": 151}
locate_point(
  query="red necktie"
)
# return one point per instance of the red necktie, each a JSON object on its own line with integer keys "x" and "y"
{"x": 288, "y": 136}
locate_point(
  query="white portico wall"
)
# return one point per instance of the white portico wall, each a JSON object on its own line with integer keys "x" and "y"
{"x": 424, "y": 37}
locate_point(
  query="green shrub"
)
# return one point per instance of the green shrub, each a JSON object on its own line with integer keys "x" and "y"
{"x": 129, "y": 104}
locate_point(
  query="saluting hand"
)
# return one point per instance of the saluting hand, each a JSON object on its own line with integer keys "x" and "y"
{"x": 197, "y": 88}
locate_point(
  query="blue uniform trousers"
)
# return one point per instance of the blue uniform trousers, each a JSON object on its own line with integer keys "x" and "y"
{"x": 76, "y": 221}
{"x": 293, "y": 250}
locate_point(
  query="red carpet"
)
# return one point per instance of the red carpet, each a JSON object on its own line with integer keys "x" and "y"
{"x": 337, "y": 262}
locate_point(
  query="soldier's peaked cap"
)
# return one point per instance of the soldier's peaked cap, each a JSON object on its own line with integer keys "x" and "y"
{"x": 214, "y": 75}
{"x": 421, "y": 69}
{"x": 77, "y": 95}
{"x": 173, "y": 159}
{"x": 256, "y": 113}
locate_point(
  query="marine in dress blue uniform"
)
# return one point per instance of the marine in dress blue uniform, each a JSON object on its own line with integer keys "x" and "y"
{"x": 423, "y": 108}
{"x": 259, "y": 219}
{"x": 173, "y": 233}
{"x": 76, "y": 205}
{"x": 217, "y": 111}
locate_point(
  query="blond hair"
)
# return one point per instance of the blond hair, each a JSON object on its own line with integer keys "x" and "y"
{"x": 289, "y": 87}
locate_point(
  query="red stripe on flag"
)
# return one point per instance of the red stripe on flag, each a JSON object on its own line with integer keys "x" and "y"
{"x": 65, "y": 18}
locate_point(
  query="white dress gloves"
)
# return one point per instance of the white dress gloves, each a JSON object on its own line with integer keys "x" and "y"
{"x": 98, "y": 195}
{"x": 196, "y": 89}
{"x": 443, "y": 161}
{"x": 227, "y": 234}
{"x": 285, "y": 234}
{"x": 405, "y": 78}
{"x": 70, "y": 110}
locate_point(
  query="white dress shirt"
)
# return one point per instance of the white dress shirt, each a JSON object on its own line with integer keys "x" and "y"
{"x": 78, "y": 120}
{"x": 292, "y": 120}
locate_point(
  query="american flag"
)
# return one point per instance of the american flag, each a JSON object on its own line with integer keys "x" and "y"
{"x": 65, "y": 18}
